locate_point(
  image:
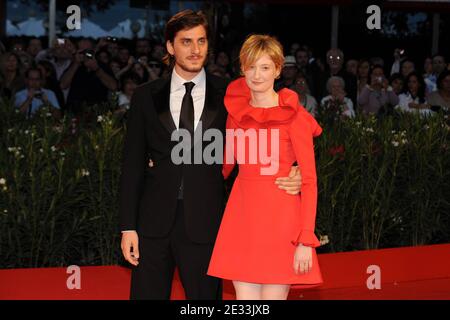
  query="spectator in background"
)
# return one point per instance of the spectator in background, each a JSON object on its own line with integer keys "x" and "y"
{"x": 352, "y": 67}
{"x": 309, "y": 70}
{"x": 288, "y": 73}
{"x": 438, "y": 66}
{"x": 114, "y": 65}
{"x": 336, "y": 100}
{"x": 33, "y": 97}
{"x": 142, "y": 47}
{"x": 112, "y": 46}
{"x": 427, "y": 67}
{"x": 103, "y": 56}
{"x": 11, "y": 75}
{"x": 335, "y": 62}
{"x": 441, "y": 97}
{"x": 18, "y": 46}
{"x": 378, "y": 97}
{"x": 396, "y": 81}
{"x": 406, "y": 67}
{"x": 362, "y": 75}
{"x": 153, "y": 67}
{"x": 60, "y": 55}
{"x": 34, "y": 47}
{"x": 128, "y": 84}
{"x": 413, "y": 98}
{"x": 88, "y": 80}
{"x": 376, "y": 61}
{"x": 223, "y": 62}
{"x": 158, "y": 52}
{"x": 306, "y": 99}
{"x": 294, "y": 47}
{"x": 50, "y": 82}
{"x": 124, "y": 56}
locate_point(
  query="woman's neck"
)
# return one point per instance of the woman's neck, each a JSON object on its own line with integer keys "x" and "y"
{"x": 264, "y": 99}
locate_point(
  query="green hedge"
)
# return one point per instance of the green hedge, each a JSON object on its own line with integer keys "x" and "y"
{"x": 381, "y": 184}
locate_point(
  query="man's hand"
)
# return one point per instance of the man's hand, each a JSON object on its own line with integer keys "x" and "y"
{"x": 292, "y": 183}
{"x": 130, "y": 240}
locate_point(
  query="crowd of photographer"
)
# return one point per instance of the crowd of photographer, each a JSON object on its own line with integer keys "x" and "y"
{"x": 73, "y": 76}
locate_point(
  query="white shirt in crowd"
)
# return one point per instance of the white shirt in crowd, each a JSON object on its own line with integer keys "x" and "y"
{"x": 405, "y": 99}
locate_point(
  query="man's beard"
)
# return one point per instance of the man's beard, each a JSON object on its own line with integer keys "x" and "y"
{"x": 192, "y": 69}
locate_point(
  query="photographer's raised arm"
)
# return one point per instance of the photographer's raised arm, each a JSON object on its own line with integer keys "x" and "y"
{"x": 106, "y": 79}
{"x": 67, "y": 77}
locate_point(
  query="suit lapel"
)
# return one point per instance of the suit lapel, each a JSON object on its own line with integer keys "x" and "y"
{"x": 162, "y": 104}
{"x": 211, "y": 106}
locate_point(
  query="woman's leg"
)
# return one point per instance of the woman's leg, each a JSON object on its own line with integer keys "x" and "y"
{"x": 247, "y": 290}
{"x": 275, "y": 291}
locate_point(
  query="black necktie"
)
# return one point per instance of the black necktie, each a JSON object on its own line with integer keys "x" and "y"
{"x": 187, "y": 120}
{"x": 187, "y": 110}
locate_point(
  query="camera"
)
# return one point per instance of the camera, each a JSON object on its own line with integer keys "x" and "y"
{"x": 38, "y": 95}
{"x": 89, "y": 53}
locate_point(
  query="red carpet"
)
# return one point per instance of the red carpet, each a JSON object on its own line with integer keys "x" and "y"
{"x": 421, "y": 272}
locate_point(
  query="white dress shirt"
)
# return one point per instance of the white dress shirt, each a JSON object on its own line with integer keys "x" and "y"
{"x": 177, "y": 91}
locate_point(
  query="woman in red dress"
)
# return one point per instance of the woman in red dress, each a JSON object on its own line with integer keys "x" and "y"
{"x": 266, "y": 242}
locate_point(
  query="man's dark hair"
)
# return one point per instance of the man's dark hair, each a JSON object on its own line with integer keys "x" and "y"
{"x": 186, "y": 19}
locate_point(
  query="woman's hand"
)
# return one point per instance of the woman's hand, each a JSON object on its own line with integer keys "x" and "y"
{"x": 302, "y": 259}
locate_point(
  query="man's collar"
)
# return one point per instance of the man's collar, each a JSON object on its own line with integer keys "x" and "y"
{"x": 177, "y": 81}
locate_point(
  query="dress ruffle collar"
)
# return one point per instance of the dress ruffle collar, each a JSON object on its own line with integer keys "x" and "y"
{"x": 237, "y": 103}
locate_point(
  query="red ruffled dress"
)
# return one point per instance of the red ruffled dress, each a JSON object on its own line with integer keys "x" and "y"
{"x": 262, "y": 224}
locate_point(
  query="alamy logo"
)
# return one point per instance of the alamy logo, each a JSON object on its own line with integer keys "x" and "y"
{"x": 374, "y": 280}
{"x": 374, "y": 20}
{"x": 235, "y": 144}
{"x": 74, "y": 280}
{"x": 74, "y": 20}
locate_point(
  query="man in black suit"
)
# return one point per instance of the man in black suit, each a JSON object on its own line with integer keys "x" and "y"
{"x": 176, "y": 209}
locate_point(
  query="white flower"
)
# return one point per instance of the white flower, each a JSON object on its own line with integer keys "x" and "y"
{"x": 10, "y": 130}
{"x": 5, "y": 188}
{"x": 48, "y": 114}
{"x": 324, "y": 240}
{"x": 426, "y": 127}
{"x": 368, "y": 129}
{"x": 27, "y": 132}
{"x": 96, "y": 147}
{"x": 10, "y": 149}
{"x": 2, "y": 181}
{"x": 99, "y": 119}
{"x": 53, "y": 148}
{"x": 85, "y": 173}
{"x": 62, "y": 153}
{"x": 404, "y": 141}
{"x": 41, "y": 150}
{"x": 5, "y": 211}
{"x": 393, "y": 131}
{"x": 395, "y": 143}
{"x": 22, "y": 156}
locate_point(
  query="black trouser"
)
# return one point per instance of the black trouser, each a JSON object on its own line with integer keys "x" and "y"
{"x": 152, "y": 278}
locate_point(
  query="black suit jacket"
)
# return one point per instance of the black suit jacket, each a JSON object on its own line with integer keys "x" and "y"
{"x": 148, "y": 196}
